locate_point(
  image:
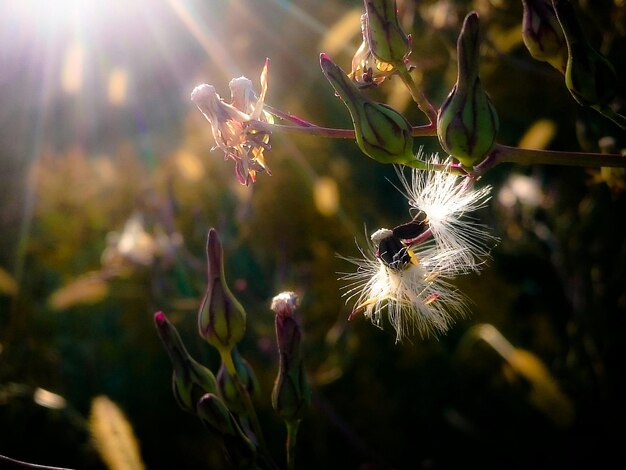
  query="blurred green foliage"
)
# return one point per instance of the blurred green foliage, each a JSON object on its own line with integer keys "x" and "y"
{"x": 74, "y": 171}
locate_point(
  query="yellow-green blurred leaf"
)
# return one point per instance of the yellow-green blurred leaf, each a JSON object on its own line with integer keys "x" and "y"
{"x": 539, "y": 135}
{"x": 87, "y": 289}
{"x": 8, "y": 285}
{"x": 114, "y": 436}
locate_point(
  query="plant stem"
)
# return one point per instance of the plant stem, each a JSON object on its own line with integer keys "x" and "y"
{"x": 503, "y": 153}
{"x": 428, "y": 130}
{"x": 245, "y": 396}
{"x": 418, "y": 96}
{"x": 29, "y": 465}
{"x": 292, "y": 432}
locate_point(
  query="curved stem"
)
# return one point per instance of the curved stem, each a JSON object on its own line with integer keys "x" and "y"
{"x": 29, "y": 465}
{"x": 614, "y": 116}
{"x": 417, "y": 94}
{"x": 503, "y": 153}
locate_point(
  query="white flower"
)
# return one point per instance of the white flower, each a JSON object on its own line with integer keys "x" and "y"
{"x": 237, "y": 126}
{"x": 445, "y": 201}
{"x": 413, "y": 290}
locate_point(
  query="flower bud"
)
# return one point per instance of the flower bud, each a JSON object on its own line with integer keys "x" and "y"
{"x": 291, "y": 394}
{"x": 190, "y": 379}
{"x": 381, "y": 132}
{"x": 467, "y": 123}
{"x": 215, "y": 416}
{"x": 384, "y": 35}
{"x": 221, "y": 319}
{"x": 542, "y": 33}
{"x": 228, "y": 388}
{"x": 589, "y": 76}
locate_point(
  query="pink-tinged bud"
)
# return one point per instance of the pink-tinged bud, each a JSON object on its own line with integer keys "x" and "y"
{"x": 221, "y": 319}
{"x": 291, "y": 394}
{"x": 190, "y": 380}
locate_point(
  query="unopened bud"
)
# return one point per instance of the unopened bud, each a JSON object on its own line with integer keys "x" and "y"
{"x": 217, "y": 418}
{"x": 228, "y": 388}
{"x": 542, "y": 33}
{"x": 190, "y": 380}
{"x": 589, "y": 77}
{"x": 291, "y": 394}
{"x": 381, "y": 132}
{"x": 467, "y": 123}
{"x": 386, "y": 39}
{"x": 221, "y": 319}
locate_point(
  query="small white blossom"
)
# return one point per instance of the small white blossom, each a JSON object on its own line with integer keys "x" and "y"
{"x": 447, "y": 201}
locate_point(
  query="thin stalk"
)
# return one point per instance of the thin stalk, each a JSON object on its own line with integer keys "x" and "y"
{"x": 503, "y": 153}
{"x": 247, "y": 401}
{"x": 418, "y": 96}
{"x": 428, "y": 130}
{"x": 292, "y": 433}
{"x": 614, "y": 116}
{"x": 21, "y": 463}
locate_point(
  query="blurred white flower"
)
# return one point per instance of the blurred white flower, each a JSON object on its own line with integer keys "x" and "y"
{"x": 444, "y": 201}
{"x": 409, "y": 283}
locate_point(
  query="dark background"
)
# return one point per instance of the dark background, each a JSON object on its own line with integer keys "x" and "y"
{"x": 533, "y": 378}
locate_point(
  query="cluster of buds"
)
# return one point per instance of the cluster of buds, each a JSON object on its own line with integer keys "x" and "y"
{"x": 224, "y": 403}
{"x": 238, "y": 127}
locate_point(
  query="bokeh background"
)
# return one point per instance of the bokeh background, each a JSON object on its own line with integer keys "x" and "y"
{"x": 108, "y": 187}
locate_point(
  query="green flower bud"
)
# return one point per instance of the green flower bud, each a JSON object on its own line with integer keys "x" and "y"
{"x": 215, "y": 416}
{"x": 221, "y": 319}
{"x": 227, "y": 387}
{"x": 542, "y": 33}
{"x": 381, "y": 132}
{"x": 291, "y": 394}
{"x": 384, "y": 35}
{"x": 589, "y": 77}
{"x": 467, "y": 122}
{"x": 190, "y": 379}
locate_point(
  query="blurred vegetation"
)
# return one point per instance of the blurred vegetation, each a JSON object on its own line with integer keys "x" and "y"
{"x": 105, "y": 210}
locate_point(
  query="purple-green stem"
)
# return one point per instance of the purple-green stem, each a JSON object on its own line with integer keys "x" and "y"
{"x": 501, "y": 153}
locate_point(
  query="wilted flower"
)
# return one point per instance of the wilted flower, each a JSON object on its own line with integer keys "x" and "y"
{"x": 413, "y": 288}
{"x": 367, "y": 70}
{"x": 238, "y": 126}
{"x": 444, "y": 201}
